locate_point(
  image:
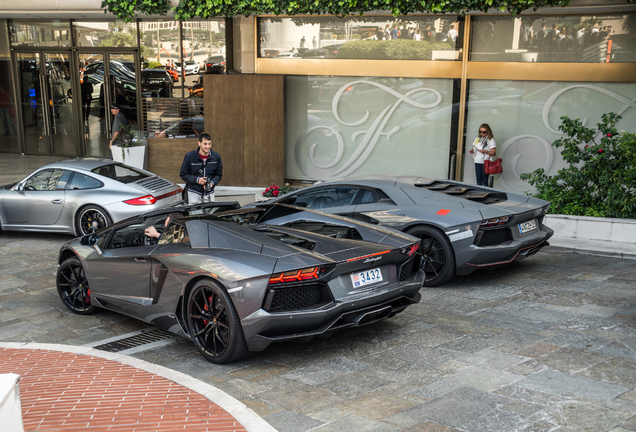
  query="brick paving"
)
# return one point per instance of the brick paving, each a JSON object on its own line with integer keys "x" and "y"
{"x": 66, "y": 392}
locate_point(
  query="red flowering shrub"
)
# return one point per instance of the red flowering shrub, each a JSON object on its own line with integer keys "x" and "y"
{"x": 600, "y": 176}
{"x": 275, "y": 190}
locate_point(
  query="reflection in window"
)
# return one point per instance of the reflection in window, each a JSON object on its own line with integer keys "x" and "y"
{"x": 82, "y": 181}
{"x": 525, "y": 117}
{"x": 105, "y": 34}
{"x": 8, "y": 108}
{"x": 46, "y": 180}
{"x": 175, "y": 109}
{"x": 352, "y": 126}
{"x": 377, "y": 38}
{"x": 54, "y": 33}
{"x": 567, "y": 39}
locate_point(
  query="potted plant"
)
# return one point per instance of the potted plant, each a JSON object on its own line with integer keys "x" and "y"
{"x": 129, "y": 150}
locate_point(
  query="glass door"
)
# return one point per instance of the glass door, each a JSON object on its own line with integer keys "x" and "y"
{"x": 105, "y": 79}
{"x": 46, "y": 103}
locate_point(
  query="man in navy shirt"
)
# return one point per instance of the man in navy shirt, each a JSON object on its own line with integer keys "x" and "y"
{"x": 201, "y": 170}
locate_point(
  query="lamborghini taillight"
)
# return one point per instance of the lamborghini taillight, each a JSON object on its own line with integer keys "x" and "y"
{"x": 305, "y": 274}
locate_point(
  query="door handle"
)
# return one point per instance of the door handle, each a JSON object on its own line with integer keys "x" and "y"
{"x": 56, "y": 201}
{"x": 140, "y": 259}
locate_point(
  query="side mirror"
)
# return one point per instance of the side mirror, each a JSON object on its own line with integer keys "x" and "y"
{"x": 19, "y": 187}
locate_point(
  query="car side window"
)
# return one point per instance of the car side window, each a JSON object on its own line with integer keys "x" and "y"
{"x": 371, "y": 196}
{"x": 327, "y": 197}
{"x": 48, "y": 180}
{"x": 175, "y": 233}
{"x": 82, "y": 181}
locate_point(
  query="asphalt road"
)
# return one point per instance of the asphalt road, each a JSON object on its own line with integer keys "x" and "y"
{"x": 546, "y": 344}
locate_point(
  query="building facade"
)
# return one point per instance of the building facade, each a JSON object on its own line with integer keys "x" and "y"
{"x": 362, "y": 95}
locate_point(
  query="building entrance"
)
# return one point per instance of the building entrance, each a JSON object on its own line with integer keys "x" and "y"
{"x": 106, "y": 78}
{"x": 48, "y": 124}
{"x": 65, "y": 99}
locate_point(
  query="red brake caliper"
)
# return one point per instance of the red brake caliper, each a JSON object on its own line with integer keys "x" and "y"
{"x": 205, "y": 322}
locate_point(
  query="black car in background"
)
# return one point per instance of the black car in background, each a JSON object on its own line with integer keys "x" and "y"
{"x": 215, "y": 65}
{"x": 157, "y": 81}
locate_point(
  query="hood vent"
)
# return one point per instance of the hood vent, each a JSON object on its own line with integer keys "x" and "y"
{"x": 481, "y": 195}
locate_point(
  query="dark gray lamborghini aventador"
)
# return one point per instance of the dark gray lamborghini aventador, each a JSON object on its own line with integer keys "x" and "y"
{"x": 463, "y": 227}
{"x": 224, "y": 278}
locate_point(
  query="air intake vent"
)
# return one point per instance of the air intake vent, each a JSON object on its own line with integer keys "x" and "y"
{"x": 482, "y": 195}
{"x": 154, "y": 183}
{"x": 493, "y": 237}
{"x": 296, "y": 298}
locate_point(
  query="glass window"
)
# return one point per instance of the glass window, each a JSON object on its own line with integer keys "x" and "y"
{"x": 82, "y": 181}
{"x": 326, "y": 197}
{"x": 377, "y": 38}
{"x": 567, "y": 39}
{"x": 47, "y": 180}
{"x": 8, "y": 109}
{"x": 54, "y": 33}
{"x": 525, "y": 116}
{"x": 350, "y": 126}
{"x": 175, "y": 233}
{"x": 105, "y": 34}
{"x": 121, "y": 173}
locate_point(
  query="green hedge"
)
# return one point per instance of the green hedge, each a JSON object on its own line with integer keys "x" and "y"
{"x": 401, "y": 49}
{"x": 187, "y": 9}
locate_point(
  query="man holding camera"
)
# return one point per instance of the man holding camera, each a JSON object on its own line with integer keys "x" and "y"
{"x": 201, "y": 171}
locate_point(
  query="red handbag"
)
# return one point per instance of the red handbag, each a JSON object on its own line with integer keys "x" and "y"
{"x": 491, "y": 167}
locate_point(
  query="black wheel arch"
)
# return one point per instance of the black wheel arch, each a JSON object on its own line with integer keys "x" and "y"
{"x": 66, "y": 254}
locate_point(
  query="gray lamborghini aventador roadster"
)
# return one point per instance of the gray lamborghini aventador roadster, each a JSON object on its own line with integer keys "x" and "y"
{"x": 233, "y": 283}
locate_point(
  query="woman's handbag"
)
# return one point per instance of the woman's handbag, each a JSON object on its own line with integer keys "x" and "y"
{"x": 491, "y": 167}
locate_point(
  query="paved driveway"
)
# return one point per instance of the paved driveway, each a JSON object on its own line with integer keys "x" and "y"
{"x": 546, "y": 344}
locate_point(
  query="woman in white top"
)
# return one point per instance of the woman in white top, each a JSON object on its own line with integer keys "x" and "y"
{"x": 484, "y": 148}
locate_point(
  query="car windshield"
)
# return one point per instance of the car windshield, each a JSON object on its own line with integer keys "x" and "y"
{"x": 153, "y": 74}
{"x": 120, "y": 172}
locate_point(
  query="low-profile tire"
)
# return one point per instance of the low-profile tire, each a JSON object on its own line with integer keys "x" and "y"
{"x": 72, "y": 287}
{"x": 438, "y": 256}
{"x": 87, "y": 216}
{"x": 213, "y": 323}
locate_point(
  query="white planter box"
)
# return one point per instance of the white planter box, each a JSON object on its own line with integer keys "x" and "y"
{"x": 134, "y": 156}
{"x": 606, "y": 235}
{"x": 10, "y": 407}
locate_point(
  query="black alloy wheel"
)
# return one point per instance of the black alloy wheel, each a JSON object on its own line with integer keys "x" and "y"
{"x": 72, "y": 287}
{"x": 213, "y": 323}
{"x": 91, "y": 218}
{"x": 438, "y": 256}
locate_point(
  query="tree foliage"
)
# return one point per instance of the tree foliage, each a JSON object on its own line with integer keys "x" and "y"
{"x": 600, "y": 179}
{"x": 188, "y": 9}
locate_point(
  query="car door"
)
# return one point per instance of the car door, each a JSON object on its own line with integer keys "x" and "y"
{"x": 38, "y": 201}
{"x": 370, "y": 200}
{"x": 329, "y": 199}
{"x": 121, "y": 272}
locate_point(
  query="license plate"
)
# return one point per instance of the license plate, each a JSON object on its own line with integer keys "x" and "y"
{"x": 527, "y": 226}
{"x": 366, "y": 277}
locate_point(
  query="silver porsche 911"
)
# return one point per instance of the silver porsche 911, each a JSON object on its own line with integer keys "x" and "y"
{"x": 80, "y": 195}
{"x": 463, "y": 227}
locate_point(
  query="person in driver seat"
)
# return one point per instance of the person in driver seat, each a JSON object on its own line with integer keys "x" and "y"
{"x": 155, "y": 235}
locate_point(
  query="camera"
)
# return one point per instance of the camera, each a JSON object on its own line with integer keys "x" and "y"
{"x": 207, "y": 187}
